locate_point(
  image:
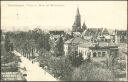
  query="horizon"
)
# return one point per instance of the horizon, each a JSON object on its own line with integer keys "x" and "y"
{"x": 47, "y": 30}
{"x": 96, "y": 14}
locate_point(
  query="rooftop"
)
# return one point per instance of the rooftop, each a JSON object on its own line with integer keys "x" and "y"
{"x": 121, "y": 32}
{"x": 98, "y": 31}
{"x": 76, "y": 40}
{"x": 100, "y": 44}
{"x": 56, "y": 32}
{"x": 92, "y": 31}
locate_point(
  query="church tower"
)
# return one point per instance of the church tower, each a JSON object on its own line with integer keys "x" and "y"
{"x": 77, "y": 23}
{"x": 84, "y": 27}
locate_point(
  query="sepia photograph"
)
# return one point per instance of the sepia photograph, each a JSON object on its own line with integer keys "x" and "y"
{"x": 64, "y": 41}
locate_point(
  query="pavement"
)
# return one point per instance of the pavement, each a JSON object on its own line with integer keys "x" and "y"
{"x": 33, "y": 70}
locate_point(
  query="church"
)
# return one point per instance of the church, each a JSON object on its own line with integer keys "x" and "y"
{"x": 97, "y": 34}
{"x": 77, "y": 23}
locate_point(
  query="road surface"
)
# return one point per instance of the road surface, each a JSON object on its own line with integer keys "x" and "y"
{"x": 33, "y": 71}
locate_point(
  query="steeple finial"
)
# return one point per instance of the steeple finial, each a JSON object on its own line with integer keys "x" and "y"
{"x": 78, "y": 11}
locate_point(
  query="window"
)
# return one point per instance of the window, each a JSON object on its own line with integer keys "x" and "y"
{"x": 94, "y": 54}
{"x": 99, "y": 54}
{"x": 103, "y": 54}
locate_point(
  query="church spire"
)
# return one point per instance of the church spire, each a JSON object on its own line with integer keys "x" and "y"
{"x": 77, "y": 23}
{"x": 78, "y": 13}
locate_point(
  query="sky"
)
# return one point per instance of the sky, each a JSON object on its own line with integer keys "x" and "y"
{"x": 60, "y": 15}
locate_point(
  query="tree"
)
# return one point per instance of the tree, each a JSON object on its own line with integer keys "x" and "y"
{"x": 76, "y": 59}
{"x": 60, "y": 66}
{"x": 68, "y": 36}
{"x": 60, "y": 47}
{"x": 7, "y": 42}
{"x": 90, "y": 72}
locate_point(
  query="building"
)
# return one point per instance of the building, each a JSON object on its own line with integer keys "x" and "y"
{"x": 77, "y": 23}
{"x": 84, "y": 27}
{"x": 76, "y": 27}
{"x": 120, "y": 36}
{"x": 98, "y": 51}
{"x": 71, "y": 45}
{"x": 99, "y": 34}
{"x": 91, "y": 34}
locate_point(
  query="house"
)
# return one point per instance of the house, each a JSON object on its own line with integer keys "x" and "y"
{"x": 99, "y": 34}
{"x": 91, "y": 34}
{"x": 121, "y": 36}
{"x": 98, "y": 51}
{"x": 71, "y": 45}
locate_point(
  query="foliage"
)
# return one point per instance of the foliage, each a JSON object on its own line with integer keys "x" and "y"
{"x": 68, "y": 36}
{"x": 30, "y": 42}
{"x": 9, "y": 57}
{"x": 90, "y": 72}
{"x": 60, "y": 67}
{"x": 76, "y": 59}
{"x": 7, "y": 42}
{"x": 59, "y": 47}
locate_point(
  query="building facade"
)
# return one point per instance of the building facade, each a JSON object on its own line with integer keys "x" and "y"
{"x": 72, "y": 45}
{"x": 98, "y": 51}
{"x": 121, "y": 36}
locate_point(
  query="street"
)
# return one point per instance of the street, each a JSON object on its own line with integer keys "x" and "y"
{"x": 33, "y": 71}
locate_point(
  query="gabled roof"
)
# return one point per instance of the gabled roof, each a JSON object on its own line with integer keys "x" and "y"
{"x": 76, "y": 40}
{"x": 105, "y": 31}
{"x": 92, "y": 31}
{"x": 100, "y": 31}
